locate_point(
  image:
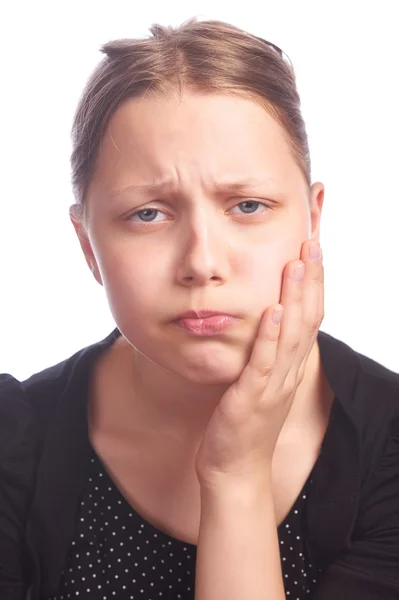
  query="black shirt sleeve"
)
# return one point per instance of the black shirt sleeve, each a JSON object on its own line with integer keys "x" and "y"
{"x": 17, "y": 466}
{"x": 369, "y": 570}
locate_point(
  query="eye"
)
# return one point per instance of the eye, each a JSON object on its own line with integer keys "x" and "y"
{"x": 250, "y": 206}
{"x": 147, "y": 215}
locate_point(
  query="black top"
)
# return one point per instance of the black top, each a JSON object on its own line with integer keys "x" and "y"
{"x": 349, "y": 527}
{"x": 115, "y": 553}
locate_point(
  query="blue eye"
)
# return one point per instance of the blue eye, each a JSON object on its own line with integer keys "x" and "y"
{"x": 146, "y": 213}
{"x": 251, "y": 206}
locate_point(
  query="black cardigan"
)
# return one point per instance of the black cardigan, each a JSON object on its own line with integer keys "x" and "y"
{"x": 352, "y": 520}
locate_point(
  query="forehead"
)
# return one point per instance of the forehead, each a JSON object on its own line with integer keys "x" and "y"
{"x": 208, "y": 137}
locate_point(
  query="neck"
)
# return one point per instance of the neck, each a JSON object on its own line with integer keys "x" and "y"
{"x": 152, "y": 400}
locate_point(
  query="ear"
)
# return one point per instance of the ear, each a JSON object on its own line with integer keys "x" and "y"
{"x": 316, "y": 206}
{"x": 76, "y": 216}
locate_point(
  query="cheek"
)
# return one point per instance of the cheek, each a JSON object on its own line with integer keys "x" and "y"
{"x": 134, "y": 286}
{"x": 131, "y": 281}
{"x": 265, "y": 269}
{"x": 266, "y": 280}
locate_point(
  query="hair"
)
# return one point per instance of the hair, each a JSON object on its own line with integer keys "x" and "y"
{"x": 203, "y": 57}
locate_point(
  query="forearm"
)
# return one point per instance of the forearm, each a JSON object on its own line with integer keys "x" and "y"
{"x": 238, "y": 556}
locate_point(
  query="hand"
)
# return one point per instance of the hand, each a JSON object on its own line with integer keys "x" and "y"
{"x": 242, "y": 433}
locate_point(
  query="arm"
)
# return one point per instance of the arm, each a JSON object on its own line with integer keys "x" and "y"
{"x": 369, "y": 569}
{"x": 17, "y": 453}
{"x": 238, "y": 556}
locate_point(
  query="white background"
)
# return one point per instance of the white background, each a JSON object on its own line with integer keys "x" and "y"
{"x": 346, "y": 57}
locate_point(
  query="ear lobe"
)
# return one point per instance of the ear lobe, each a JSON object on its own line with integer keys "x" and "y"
{"x": 75, "y": 214}
{"x": 94, "y": 269}
{"x": 83, "y": 238}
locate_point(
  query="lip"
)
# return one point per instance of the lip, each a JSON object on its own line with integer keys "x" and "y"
{"x": 202, "y": 314}
{"x": 208, "y": 326}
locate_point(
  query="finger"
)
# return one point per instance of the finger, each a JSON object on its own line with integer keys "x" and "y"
{"x": 313, "y": 306}
{"x": 291, "y": 327}
{"x": 260, "y": 366}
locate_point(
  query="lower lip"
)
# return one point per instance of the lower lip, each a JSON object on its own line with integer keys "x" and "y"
{"x": 208, "y": 326}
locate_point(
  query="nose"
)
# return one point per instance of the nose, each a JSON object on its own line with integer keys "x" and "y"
{"x": 203, "y": 251}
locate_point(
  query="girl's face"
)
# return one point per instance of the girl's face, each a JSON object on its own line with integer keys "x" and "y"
{"x": 188, "y": 239}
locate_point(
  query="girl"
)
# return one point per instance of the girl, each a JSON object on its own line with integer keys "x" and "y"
{"x": 216, "y": 444}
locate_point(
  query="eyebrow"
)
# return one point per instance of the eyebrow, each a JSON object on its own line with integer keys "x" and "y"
{"x": 220, "y": 187}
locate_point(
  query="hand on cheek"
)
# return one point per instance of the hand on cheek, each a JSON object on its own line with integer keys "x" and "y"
{"x": 242, "y": 433}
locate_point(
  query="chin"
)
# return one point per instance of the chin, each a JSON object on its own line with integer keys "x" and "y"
{"x": 221, "y": 367}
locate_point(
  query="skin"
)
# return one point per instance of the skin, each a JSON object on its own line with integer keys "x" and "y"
{"x": 202, "y": 250}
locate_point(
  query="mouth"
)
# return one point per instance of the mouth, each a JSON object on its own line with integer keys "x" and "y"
{"x": 211, "y": 324}
{"x": 202, "y": 314}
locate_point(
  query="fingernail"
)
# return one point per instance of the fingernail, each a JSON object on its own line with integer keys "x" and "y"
{"x": 276, "y": 316}
{"x": 314, "y": 252}
{"x": 299, "y": 272}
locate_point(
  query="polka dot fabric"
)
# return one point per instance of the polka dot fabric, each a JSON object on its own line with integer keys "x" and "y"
{"x": 117, "y": 554}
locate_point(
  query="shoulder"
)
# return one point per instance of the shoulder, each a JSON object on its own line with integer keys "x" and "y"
{"x": 18, "y": 447}
{"x": 364, "y": 386}
{"x": 18, "y": 434}
{"x": 341, "y": 356}
{"x": 376, "y": 373}
{"x": 17, "y": 420}
{"x": 36, "y": 398}
{"x": 375, "y": 410}
{"x": 366, "y": 399}
{"x": 376, "y": 397}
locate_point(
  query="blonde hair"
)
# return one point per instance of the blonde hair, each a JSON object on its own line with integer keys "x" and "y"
{"x": 198, "y": 56}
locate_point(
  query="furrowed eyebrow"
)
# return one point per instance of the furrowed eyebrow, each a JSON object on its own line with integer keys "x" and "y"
{"x": 167, "y": 186}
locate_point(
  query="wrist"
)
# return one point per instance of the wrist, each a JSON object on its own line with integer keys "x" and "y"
{"x": 237, "y": 488}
